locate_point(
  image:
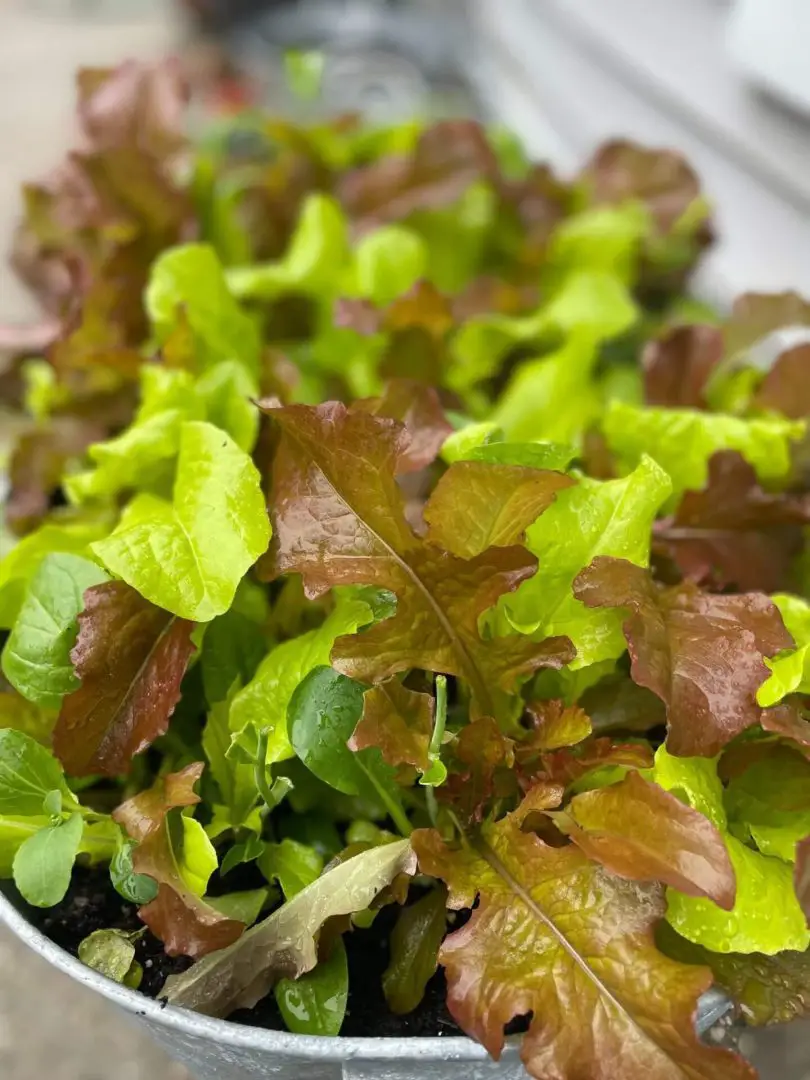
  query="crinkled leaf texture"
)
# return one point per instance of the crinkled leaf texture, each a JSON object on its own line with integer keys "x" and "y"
{"x": 641, "y": 832}
{"x": 557, "y": 935}
{"x": 593, "y": 518}
{"x": 683, "y": 441}
{"x": 189, "y": 282}
{"x": 285, "y": 944}
{"x": 188, "y": 556}
{"x": 37, "y": 655}
{"x": 477, "y": 505}
{"x": 790, "y": 672}
{"x": 338, "y": 518}
{"x": 398, "y": 722}
{"x": 703, "y": 655}
{"x": 766, "y": 917}
{"x": 734, "y": 533}
{"x": 176, "y": 855}
{"x": 130, "y": 657}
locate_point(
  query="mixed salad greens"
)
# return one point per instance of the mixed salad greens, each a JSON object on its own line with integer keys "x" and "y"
{"x": 391, "y": 523}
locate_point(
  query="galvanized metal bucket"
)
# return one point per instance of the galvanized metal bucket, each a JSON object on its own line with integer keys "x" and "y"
{"x": 218, "y": 1050}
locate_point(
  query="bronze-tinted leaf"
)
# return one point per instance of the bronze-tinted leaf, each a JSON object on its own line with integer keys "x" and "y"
{"x": 136, "y": 105}
{"x": 734, "y": 533}
{"x": 131, "y": 657}
{"x": 185, "y": 924}
{"x": 663, "y": 179}
{"x": 801, "y": 875}
{"x": 757, "y": 315}
{"x": 449, "y": 157}
{"x": 703, "y": 655}
{"x": 557, "y": 936}
{"x": 641, "y": 832}
{"x": 418, "y": 408}
{"x": 677, "y": 366}
{"x": 38, "y": 463}
{"x": 554, "y": 725}
{"x": 484, "y": 757}
{"x": 338, "y": 518}
{"x": 477, "y": 505}
{"x": 569, "y": 764}
{"x": 398, "y": 722}
{"x": 786, "y": 387}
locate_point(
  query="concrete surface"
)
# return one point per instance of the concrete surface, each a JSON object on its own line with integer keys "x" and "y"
{"x": 51, "y": 1029}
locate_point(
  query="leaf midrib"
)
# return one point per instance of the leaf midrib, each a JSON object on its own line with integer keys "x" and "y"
{"x": 491, "y": 858}
{"x": 473, "y": 675}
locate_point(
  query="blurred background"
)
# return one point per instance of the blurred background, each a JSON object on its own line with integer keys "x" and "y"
{"x": 725, "y": 81}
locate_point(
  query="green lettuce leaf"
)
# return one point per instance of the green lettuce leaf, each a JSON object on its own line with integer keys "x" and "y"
{"x": 18, "y": 567}
{"x": 594, "y": 518}
{"x": 683, "y": 440}
{"x": 188, "y": 282}
{"x": 188, "y": 556}
{"x": 790, "y": 672}
{"x": 313, "y": 263}
{"x": 36, "y": 657}
{"x": 262, "y": 704}
{"x": 766, "y": 917}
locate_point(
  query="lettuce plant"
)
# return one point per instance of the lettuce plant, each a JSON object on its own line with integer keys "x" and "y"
{"x": 391, "y": 526}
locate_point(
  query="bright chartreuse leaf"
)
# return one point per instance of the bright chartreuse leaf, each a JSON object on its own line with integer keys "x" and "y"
{"x": 594, "y": 518}
{"x": 188, "y": 282}
{"x": 554, "y": 398}
{"x": 589, "y": 306}
{"x": 18, "y": 567}
{"x": 607, "y": 239}
{"x": 36, "y": 657}
{"x": 44, "y": 863}
{"x": 315, "y": 1003}
{"x": 199, "y": 858}
{"x": 694, "y": 780}
{"x": 262, "y": 704}
{"x": 313, "y": 263}
{"x": 292, "y": 864}
{"x": 227, "y": 392}
{"x": 28, "y": 773}
{"x": 790, "y": 672}
{"x": 683, "y": 440}
{"x": 468, "y": 438}
{"x": 766, "y": 917}
{"x": 322, "y": 715}
{"x": 188, "y": 556}
{"x": 387, "y": 263}
{"x": 142, "y": 456}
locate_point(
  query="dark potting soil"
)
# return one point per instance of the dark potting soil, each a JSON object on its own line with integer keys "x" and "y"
{"x": 92, "y": 904}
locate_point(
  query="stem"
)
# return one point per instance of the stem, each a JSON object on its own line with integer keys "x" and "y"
{"x": 397, "y": 814}
{"x": 281, "y": 787}
{"x": 441, "y": 717}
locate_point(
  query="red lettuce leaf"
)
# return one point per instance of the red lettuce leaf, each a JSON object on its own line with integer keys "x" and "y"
{"x": 734, "y": 533}
{"x": 131, "y": 657}
{"x": 703, "y": 655}
{"x": 338, "y": 519}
